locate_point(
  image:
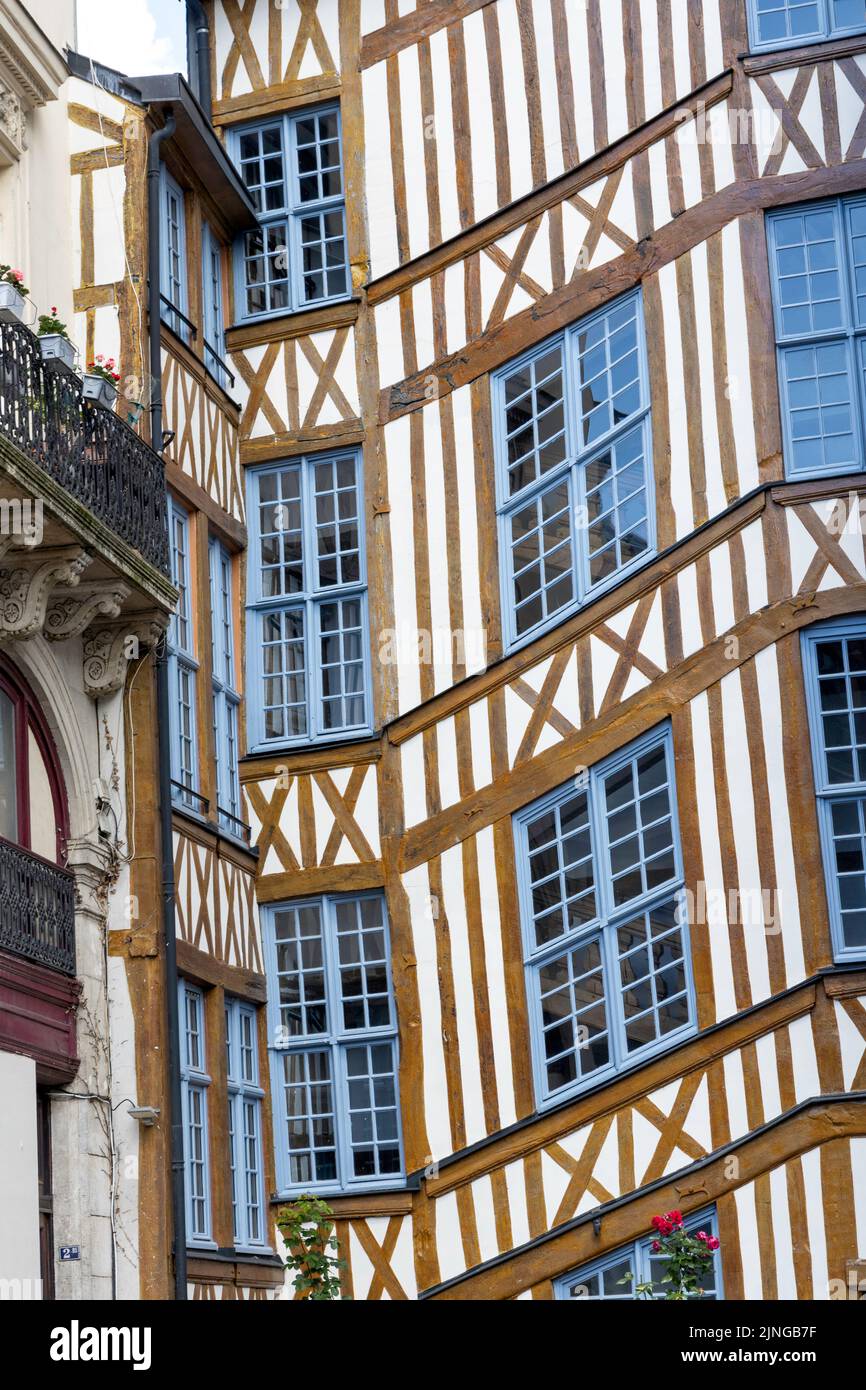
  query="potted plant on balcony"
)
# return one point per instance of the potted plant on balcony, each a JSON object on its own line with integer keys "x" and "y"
{"x": 12, "y": 294}
{"x": 100, "y": 381}
{"x": 54, "y": 341}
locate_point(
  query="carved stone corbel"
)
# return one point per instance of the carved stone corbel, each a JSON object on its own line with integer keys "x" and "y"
{"x": 69, "y": 613}
{"x": 25, "y": 587}
{"x": 13, "y": 126}
{"x": 110, "y": 647}
{"x": 24, "y": 543}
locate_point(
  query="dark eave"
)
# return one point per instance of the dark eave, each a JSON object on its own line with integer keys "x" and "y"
{"x": 197, "y": 141}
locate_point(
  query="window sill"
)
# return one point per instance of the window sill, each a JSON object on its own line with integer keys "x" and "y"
{"x": 764, "y": 60}
{"x": 266, "y": 1258}
{"x": 351, "y": 1206}
{"x": 292, "y": 324}
{"x": 344, "y": 1199}
{"x": 333, "y": 744}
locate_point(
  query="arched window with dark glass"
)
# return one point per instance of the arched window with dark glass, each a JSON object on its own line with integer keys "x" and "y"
{"x": 33, "y": 810}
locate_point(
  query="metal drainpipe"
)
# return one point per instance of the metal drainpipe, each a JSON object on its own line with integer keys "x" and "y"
{"x": 178, "y": 1198}
{"x": 202, "y": 56}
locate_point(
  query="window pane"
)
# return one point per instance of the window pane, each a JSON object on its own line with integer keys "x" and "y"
{"x": 281, "y": 541}
{"x": 542, "y": 557}
{"x": 363, "y": 964}
{"x": 317, "y": 141}
{"x": 534, "y": 419}
{"x": 841, "y": 668}
{"x": 808, "y": 274}
{"x": 323, "y": 273}
{"x": 848, "y": 834}
{"x": 604, "y": 1283}
{"x": 8, "y": 774}
{"x": 196, "y": 1160}
{"x": 341, "y": 1099}
{"x": 787, "y": 19}
{"x": 310, "y": 1134}
{"x": 266, "y": 268}
{"x": 285, "y": 682}
{"x": 568, "y": 533}
{"x": 653, "y": 982}
{"x": 262, "y": 168}
{"x": 847, "y": 14}
{"x": 617, "y": 507}
{"x": 561, "y": 873}
{"x": 609, "y": 372}
{"x": 301, "y": 970}
{"x": 574, "y": 1024}
{"x": 819, "y": 393}
{"x": 639, "y": 822}
{"x": 337, "y": 522}
{"x": 607, "y": 962}
{"x": 341, "y": 658}
{"x": 372, "y": 1113}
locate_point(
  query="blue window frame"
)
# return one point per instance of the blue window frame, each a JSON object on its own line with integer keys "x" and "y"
{"x": 785, "y": 23}
{"x": 334, "y": 1051}
{"x": 308, "y": 632}
{"x": 607, "y": 950}
{"x": 245, "y": 1097}
{"x": 574, "y": 468}
{"x": 214, "y": 346}
{"x": 601, "y": 1279}
{"x": 818, "y": 269}
{"x": 835, "y": 672}
{"x": 195, "y": 1081}
{"x": 292, "y": 166}
{"x": 226, "y": 699}
{"x": 183, "y": 667}
{"x": 173, "y": 263}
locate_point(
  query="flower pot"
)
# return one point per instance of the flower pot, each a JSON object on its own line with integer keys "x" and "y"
{"x": 97, "y": 389}
{"x": 11, "y": 303}
{"x": 56, "y": 347}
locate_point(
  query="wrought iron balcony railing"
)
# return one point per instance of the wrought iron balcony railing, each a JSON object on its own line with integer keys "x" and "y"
{"x": 37, "y": 909}
{"x": 89, "y": 450}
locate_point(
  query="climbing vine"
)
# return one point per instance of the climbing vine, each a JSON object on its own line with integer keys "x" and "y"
{"x": 312, "y": 1250}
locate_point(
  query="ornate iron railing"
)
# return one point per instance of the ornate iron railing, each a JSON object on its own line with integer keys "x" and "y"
{"x": 37, "y": 909}
{"x": 89, "y": 450}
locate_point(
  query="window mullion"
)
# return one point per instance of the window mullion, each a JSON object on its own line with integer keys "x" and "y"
{"x": 613, "y": 993}
{"x": 850, "y": 278}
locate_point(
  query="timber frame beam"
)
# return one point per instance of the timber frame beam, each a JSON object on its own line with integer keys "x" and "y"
{"x": 810, "y": 1125}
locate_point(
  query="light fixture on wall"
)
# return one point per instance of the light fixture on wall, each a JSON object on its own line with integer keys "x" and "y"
{"x": 146, "y": 1115}
{"x": 167, "y": 438}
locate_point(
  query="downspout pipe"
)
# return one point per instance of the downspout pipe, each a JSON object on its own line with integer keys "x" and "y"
{"x": 178, "y": 1197}
{"x": 199, "y": 33}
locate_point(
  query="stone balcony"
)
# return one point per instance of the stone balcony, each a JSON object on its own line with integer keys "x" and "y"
{"x": 83, "y": 534}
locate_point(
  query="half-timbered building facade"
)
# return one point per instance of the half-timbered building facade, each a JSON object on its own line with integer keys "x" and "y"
{"x": 547, "y": 351}
{"x": 512, "y": 374}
